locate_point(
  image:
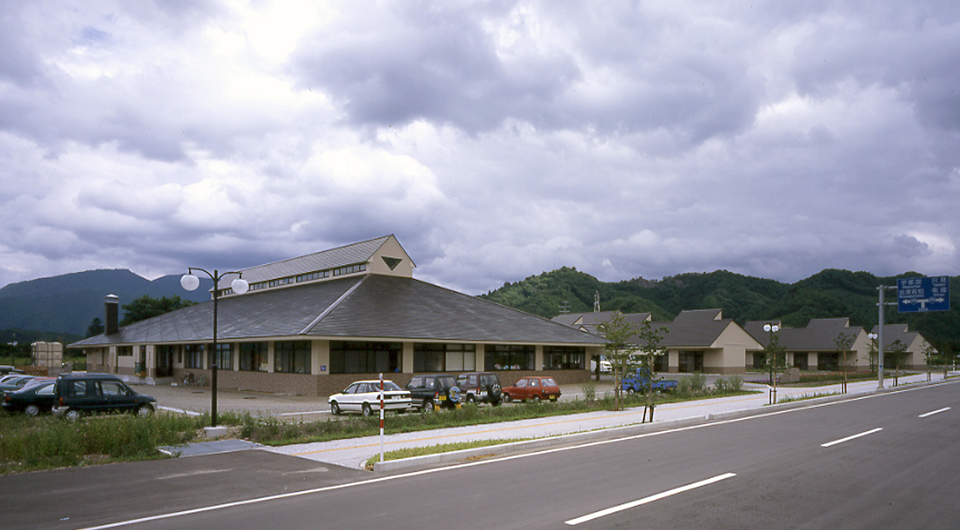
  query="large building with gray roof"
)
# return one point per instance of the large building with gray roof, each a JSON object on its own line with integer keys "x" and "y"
{"x": 311, "y": 325}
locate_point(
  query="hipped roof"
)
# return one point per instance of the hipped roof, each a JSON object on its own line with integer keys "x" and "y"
{"x": 370, "y": 306}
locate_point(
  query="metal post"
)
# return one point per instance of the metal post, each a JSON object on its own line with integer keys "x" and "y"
{"x": 213, "y": 378}
{"x": 381, "y": 418}
{"x": 880, "y": 311}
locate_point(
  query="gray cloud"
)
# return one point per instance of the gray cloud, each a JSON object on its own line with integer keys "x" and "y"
{"x": 496, "y": 140}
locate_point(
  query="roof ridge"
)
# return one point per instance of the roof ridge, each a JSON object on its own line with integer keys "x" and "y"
{"x": 295, "y": 258}
{"x": 333, "y": 306}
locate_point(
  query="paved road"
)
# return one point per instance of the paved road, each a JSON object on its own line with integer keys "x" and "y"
{"x": 354, "y": 453}
{"x": 884, "y": 460}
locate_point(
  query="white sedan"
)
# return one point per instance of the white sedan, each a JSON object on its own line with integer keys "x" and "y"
{"x": 364, "y": 397}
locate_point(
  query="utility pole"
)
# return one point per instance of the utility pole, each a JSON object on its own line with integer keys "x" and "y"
{"x": 880, "y": 305}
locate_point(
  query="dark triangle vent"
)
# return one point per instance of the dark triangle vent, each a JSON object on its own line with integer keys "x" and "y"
{"x": 392, "y": 262}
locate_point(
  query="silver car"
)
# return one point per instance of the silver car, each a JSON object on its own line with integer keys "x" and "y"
{"x": 364, "y": 397}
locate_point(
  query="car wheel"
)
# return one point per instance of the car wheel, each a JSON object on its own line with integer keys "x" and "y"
{"x": 334, "y": 408}
{"x": 631, "y": 391}
{"x": 32, "y": 410}
{"x": 144, "y": 411}
{"x": 72, "y": 415}
{"x": 366, "y": 410}
{"x": 471, "y": 398}
{"x": 535, "y": 400}
{"x": 427, "y": 406}
{"x": 506, "y": 398}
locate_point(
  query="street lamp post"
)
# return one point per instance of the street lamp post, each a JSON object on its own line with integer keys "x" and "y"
{"x": 772, "y": 358}
{"x": 190, "y": 282}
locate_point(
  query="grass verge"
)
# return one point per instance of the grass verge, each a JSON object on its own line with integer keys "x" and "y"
{"x": 411, "y": 452}
{"x": 47, "y": 442}
{"x": 268, "y": 430}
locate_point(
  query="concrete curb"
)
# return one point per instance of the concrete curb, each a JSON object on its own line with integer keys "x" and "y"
{"x": 614, "y": 432}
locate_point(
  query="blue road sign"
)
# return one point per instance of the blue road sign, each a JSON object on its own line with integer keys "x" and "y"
{"x": 916, "y": 295}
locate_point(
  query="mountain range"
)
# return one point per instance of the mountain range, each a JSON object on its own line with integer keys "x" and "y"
{"x": 831, "y": 293}
{"x": 64, "y": 306}
{"x": 67, "y": 304}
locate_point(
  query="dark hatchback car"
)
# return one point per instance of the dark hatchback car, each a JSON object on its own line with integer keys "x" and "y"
{"x": 32, "y": 399}
{"x": 78, "y": 394}
{"x": 429, "y": 391}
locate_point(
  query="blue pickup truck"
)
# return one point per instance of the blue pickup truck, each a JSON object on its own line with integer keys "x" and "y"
{"x": 638, "y": 381}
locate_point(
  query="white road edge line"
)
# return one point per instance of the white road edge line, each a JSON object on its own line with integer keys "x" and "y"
{"x": 848, "y": 438}
{"x": 645, "y": 500}
{"x": 944, "y": 409}
{"x": 494, "y": 460}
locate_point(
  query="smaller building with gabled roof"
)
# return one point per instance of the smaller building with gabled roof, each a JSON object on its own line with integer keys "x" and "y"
{"x": 819, "y": 345}
{"x": 696, "y": 340}
{"x": 904, "y": 349}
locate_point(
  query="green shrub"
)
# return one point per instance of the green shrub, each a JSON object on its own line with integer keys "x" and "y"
{"x": 589, "y": 391}
{"x": 721, "y": 384}
{"x": 736, "y": 383}
{"x": 698, "y": 381}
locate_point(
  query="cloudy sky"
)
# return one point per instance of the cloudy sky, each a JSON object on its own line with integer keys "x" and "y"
{"x": 496, "y": 140}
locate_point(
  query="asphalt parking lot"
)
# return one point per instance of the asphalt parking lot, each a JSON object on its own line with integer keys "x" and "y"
{"x": 194, "y": 400}
{"x": 197, "y": 400}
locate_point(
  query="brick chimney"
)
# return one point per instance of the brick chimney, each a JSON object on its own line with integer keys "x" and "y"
{"x": 111, "y": 311}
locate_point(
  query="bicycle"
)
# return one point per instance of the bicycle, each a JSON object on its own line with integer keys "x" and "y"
{"x": 189, "y": 379}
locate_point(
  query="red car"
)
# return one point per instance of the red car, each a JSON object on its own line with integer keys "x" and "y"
{"x": 534, "y": 388}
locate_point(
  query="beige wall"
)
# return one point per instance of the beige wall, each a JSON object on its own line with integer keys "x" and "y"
{"x": 391, "y": 249}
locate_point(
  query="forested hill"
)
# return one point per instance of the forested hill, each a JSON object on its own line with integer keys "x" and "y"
{"x": 829, "y": 294}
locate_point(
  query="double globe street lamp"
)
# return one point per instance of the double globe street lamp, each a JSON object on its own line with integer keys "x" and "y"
{"x": 190, "y": 282}
{"x": 772, "y": 359}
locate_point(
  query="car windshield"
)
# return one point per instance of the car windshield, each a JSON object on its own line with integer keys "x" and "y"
{"x": 447, "y": 382}
{"x": 548, "y": 381}
{"x": 388, "y": 385}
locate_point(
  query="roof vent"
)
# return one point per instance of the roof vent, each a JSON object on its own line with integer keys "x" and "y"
{"x": 392, "y": 262}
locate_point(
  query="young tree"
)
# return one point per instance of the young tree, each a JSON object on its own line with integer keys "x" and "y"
{"x": 775, "y": 358}
{"x": 897, "y": 351}
{"x": 843, "y": 343}
{"x": 930, "y": 355}
{"x": 651, "y": 341}
{"x": 620, "y": 349}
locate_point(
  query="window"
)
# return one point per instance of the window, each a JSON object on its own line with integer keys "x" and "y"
{"x": 661, "y": 363}
{"x": 253, "y": 357}
{"x": 77, "y": 389}
{"x": 319, "y": 275}
{"x": 801, "y": 361}
{"x": 691, "y": 361}
{"x": 113, "y": 388}
{"x": 125, "y": 351}
{"x": 222, "y": 356}
{"x": 193, "y": 354}
{"x": 431, "y": 357}
{"x": 759, "y": 360}
{"x": 350, "y": 269}
{"x": 564, "y": 357}
{"x": 509, "y": 357}
{"x": 292, "y": 357}
{"x": 355, "y": 357}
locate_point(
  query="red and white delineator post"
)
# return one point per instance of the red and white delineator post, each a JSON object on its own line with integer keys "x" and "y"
{"x": 381, "y": 418}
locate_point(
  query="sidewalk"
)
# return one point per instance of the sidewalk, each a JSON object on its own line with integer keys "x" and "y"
{"x": 353, "y": 453}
